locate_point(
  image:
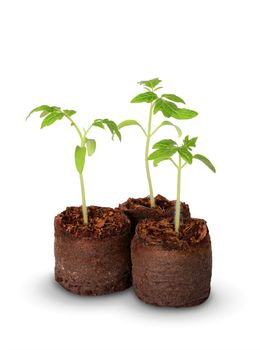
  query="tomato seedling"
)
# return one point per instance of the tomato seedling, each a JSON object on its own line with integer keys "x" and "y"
{"x": 87, "y": 145}
{"x": 165, "y": 150}
{"x": 166, "y": 104}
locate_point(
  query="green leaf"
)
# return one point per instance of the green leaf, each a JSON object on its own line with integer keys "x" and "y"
{"x": 130, "y": 122}
{"x": 166, "y": 122}
{"x": 159, "y": 160}
{"x": 150, "y": 83}
{"x": 163, "y": 144}
{"x": 189, "y": 143}
{"x": 173, "y": 98}
{"x": 163, "y": 153}
{"x": 148, "y": 97}
{"x": 185, "y": 154}
{"x": 69, "y": 112}
{"x": 80, "y": 154}
{"x": 51, "y": 118}
{"x": 91, "y": 146}
{"x": 183, "y": 113}
{"x": 98, "y": 124}
{"x": 168, "y": 109}
{"x": 111, "y": 126}
{"x": 44, "y": 108}
{"x": 206, "y": 161}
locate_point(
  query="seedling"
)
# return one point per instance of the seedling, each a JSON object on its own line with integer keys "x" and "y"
{"x": 166, "y": 104}
{"x": 165, "y": 150}
{"x": 87, "y": 145}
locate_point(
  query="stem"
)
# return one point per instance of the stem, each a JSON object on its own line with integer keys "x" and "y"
{"x": 84, "y": 207}
{"x": 82, "y": 139}
{"x": 152, "y": 202}
{"x": 178, "y": 202}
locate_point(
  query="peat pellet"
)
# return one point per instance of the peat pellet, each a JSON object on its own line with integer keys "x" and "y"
{"x": 171, "y": 270}
{"x": 92, "y": 259}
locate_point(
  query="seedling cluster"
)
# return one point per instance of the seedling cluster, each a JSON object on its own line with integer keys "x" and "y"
{"x": 166, "y": 104}
{"x": 51, "y": 114}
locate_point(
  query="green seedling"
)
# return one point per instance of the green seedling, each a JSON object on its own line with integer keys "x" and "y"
{"x": 87, "y": 145}
{"x": 166, "y": 104}
{"x": 165, "y": 150}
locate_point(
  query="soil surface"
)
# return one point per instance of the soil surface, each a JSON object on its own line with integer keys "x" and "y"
{"x": 162, "y": 233}
{"x": 138, "y": 209}
{"x": 92, "y": 259}
{"x": 102, "y": 222}
{"x": 170, "y": 269}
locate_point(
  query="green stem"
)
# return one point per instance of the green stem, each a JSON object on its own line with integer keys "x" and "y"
{"x": 178, "y": 201}
{"x": 152, "y": 202}
{"x": 84, "y": 207}
{"x": 82, "y": 139}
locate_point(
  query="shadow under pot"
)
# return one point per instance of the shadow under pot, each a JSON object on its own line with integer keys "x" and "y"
{"x": 138, "y": 209}
{"x": 171, "y": 270}
{"x": 92, "y": 259}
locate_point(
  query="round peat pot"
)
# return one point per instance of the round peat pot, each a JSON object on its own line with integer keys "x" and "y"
{"x": 138, "y": 209}
{"x": 171, "y": 270}
{"x": 92, "y": 259}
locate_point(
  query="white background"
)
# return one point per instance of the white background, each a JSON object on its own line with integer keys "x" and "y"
{"x": 88, "y": 55}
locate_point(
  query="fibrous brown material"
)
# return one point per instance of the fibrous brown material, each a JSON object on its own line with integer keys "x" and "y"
{"x": 92, "y": 259}
{"x": 138, "y": 209}
{"x": 171, "y": 270}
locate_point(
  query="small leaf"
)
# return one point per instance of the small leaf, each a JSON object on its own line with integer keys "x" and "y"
{"x": 159, "y": 160}
{"x": 80, "y": 154}
{"x": 166, "y": 122}
{"x": 173, "y": 98}
{"x": 111, "y": 126}
{"x": 98, "y": 124}
{"x": 206, "y": 161}
{"x": 51, "y": 118}
{"x": 168, "y": 109}
{"x": 44, "y": 108}
{"x": 163, "y": 153}
{"x": 185, "y": 154}
{"x": 150, "y": 83}
{"x": 189, "y": 143}
{"x": 167, "y": 143}
{"x": 91, "y": 146}
{"x": 147, "y": 97}
{"x": 69, "y": 112}
{"x": 183, "y": 113}
{"x": 130, "y": 122}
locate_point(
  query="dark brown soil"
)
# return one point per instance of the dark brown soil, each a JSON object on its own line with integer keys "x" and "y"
{"x": 138, "y": 209}
{"x": 171, "y": 270}
{"x": 92, "y": 259}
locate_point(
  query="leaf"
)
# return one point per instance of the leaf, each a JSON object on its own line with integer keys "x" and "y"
{"x": 166, "y": 122}
{"x": 44, "y": 108}
{"x": 173, "y": 97}
{"x": 183, "y": 113}
{"x": 159, "y": 160}
{"x": 80, "y": 154}
{"x": 163, "y": 144}
{"x": 130, "y": 122}
{"x": 189, "y": 143}
{"x": 148, "y": 97}
{"x": 185, "y": 154}
{"x": 168, "y": 109}
{"x": 111, "y": 126}
{"x": 163, "y": 153}
{"x": 98, "y": 124}
{"x": 91, "y": 146}
{"x": 51, "y": 118}
{"x": 69, "y": 112}
{"x": 206, "y": 161}
{"x": 150, "y": 83}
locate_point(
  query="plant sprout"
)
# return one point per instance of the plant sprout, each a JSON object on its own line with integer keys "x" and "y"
{"x": 165, "y": 150}
{"x": 166, "y": 104}
{"x": 87, "y": 145}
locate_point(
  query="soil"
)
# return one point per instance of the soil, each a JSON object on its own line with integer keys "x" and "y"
{"x": 138, "y": 209}
{"x": 92, "y": 259}
{"x": 170, "y": 269}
